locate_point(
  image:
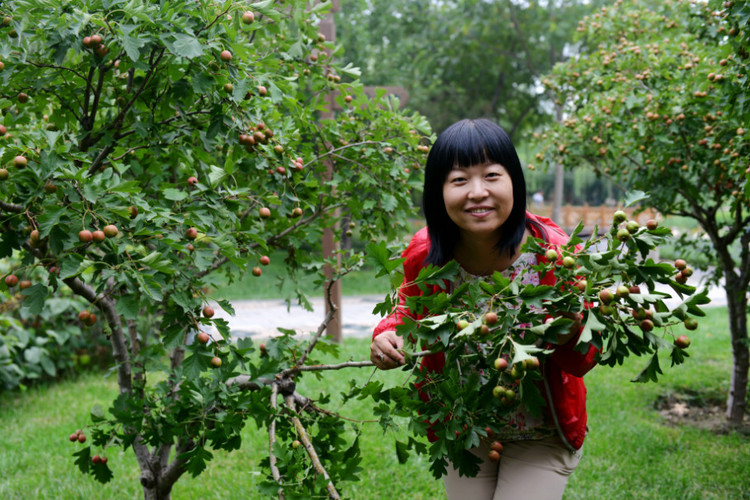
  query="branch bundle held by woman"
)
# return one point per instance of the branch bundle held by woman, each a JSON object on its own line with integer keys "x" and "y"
{"x": 475, "y": 209}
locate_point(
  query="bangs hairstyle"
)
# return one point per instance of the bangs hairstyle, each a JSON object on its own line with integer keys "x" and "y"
{"x": 463, "y": 144}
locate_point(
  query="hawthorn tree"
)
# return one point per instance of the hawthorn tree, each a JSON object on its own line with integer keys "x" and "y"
{"x": 151, "y": 150}
{"x": 659, "y": 101}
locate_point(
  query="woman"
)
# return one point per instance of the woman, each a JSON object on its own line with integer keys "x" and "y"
{"x": 475, "y": 208}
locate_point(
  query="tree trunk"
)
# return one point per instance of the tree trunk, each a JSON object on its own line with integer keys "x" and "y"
{"x": 737, "y": 398}
{"x": 559, "y": 180}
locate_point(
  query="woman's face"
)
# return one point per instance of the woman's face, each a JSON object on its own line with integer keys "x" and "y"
{"x": 479, "y": 198}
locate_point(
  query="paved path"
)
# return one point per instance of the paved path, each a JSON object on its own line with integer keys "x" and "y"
{"x": 261, "y": 318}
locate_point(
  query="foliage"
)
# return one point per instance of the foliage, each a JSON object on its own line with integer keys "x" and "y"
{"x": 463, "y": 59}
{"x": 496, "y": 333}
{"x": 45, "y": 344}
{"x": 659, "y": 102}
{"x": 150, "y": 147}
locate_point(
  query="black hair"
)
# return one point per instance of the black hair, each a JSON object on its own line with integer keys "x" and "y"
{"x": 463, "y": 144}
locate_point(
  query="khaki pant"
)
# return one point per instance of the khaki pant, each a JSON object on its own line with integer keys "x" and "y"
{"x": 527, "y": 469}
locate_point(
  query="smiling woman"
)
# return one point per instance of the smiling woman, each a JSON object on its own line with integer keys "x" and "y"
{"x": 475, "y": 208}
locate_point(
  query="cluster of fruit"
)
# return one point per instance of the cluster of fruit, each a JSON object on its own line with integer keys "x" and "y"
{"x": 95, "y": 42}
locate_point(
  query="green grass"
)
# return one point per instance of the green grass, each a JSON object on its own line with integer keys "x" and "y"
{"x": 630, "y": 453}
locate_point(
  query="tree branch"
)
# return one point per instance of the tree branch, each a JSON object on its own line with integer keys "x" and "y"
{"x": 11, "y": 207}
{"x": 272, "y": 439}
{"x": 317, "y": 465}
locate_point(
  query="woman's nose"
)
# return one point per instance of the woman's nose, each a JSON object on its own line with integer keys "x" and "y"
{"x": 477, "y": 189}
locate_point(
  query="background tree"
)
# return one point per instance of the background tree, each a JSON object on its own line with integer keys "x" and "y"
{"x": 462, "y": 59}
{"x": 148, "y": 148}
{"x": 659, "y": 101}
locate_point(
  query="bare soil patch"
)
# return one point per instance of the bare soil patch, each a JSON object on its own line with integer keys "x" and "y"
{"x": 698, "y": 410}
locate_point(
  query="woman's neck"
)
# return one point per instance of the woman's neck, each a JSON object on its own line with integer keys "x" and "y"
{"x": 479, "y": 256}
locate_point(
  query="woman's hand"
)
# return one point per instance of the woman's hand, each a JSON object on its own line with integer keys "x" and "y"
{"x": 384, "y": 350}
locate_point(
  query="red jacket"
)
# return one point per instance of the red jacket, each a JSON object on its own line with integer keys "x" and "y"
{"x": 563, "y": 369}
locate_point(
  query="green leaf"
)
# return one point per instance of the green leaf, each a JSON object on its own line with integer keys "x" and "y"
{"x": 174, "y": 194}
{"x": 126, "y": 187}
{"x": 35, "y": 296}
{"x": 183, "y": 45}
{"x": 650, "y": 371}
{"x": 196, "y": 460}
{"x": 402, "y": 452}
{"x": 132, "y": 44}
{"x": 128, "y": 306}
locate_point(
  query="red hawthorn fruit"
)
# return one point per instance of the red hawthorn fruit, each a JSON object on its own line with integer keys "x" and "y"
{"x": 73, "y": 437}
{"x": 191, "y": 233}
{"x": 81, "y": 438}
{"x": 634, "y": 289}
{"x": 265, "y": 260}
{"x": 489, "y": 431}
{"x": 581, "y": 285}
{"x": 91, "y": 319}
{"x": 348, "y": 99}
{"x": 216, "y": 361}
{"x": 225, "y": 56}
{"x": 683, "y": 341}
{"x": 494, "y": 456}
{"x": 248, "y": 17}
{"x": 691, "y": 323}
{"x": 104, "y": 460}
{"x": 133, "y": 212}
{"x": 497, "y": 446}
{"x": 651, "y": 224}
{"x": 483, "y": 329}
{"x": 605, "y": 296}
{"x": 190, "y": 247}
{"x": 202, "y": 337}
{"x": 264, "y": 212}
{"x": 4, "y": 174}
{"x": 680, "y": 264}
{"x": 96, "y": 39}
{"x": 532, "y": 363}
{"x": 24, "y": 284}
{"x": 262, "y": 90}
{"x": 86, "y": 41}
{"x": 84, "y": 315}
{"x": 257, "y": 271}
{"x": 490, "y": 318}
{"x": 20, "y": 161}
{"x": 98, "y": 236}
{"x": 208, "y": 311}
{"x": 3, "y": 130}
{"x": 85, "y": 236}
{"x": 647, "y": 325}
{"x": 192, "y": 181}
{"x": 681, "y": 278}
{"x": 501, "y": 364}
{"x": 96, "y": 459}
{"x": 110, "y": 230}
{"x": 281, "y": 170}
{"x": 23, "y": 97}
{"x": 296, "y": 212}
{"x": 102, "y": 50}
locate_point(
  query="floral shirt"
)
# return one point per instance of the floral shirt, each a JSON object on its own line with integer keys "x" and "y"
{"x": 519, "y": 424}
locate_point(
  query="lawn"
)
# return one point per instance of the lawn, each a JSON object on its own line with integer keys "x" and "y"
{"x": 631, "y": 452}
